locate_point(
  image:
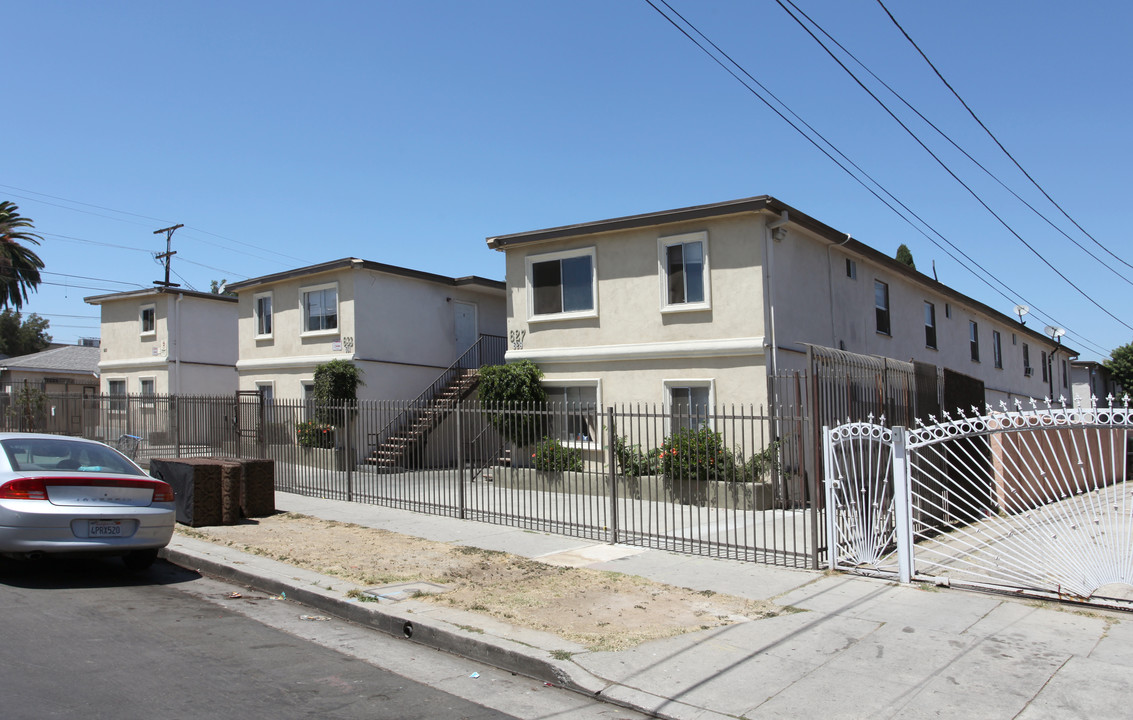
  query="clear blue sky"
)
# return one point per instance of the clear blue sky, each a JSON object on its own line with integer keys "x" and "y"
{"x": 282, "y": 134}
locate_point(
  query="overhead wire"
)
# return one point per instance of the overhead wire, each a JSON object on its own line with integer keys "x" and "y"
{"x": 956, "y": 177}
{"x": 1016, "y": 295}
{"x": 996, "y": 140}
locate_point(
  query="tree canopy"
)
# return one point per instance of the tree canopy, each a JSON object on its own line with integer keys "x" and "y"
{"x": 1120, "y": 366}
{"x": 509, "y": 392}
{"x": 19, "y": 265}
{"x": 19, "y": 336}
{"x": 905, "y": 256}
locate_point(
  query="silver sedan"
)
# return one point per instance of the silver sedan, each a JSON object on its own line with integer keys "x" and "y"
{"x": 68, "y": 496}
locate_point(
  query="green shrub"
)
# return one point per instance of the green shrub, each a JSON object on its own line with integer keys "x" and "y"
{"x": 553, "y": 456}
{"x": 511, "y": 395}
{"x": 760, "y": 466}
{"x": 632, "y": 461}
{"x": 698, "y": 454}
{"x": 315, "y": 434}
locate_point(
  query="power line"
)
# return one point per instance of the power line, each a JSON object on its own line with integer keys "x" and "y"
{"x": 843, "y": 167}
{"x": 996, "y": 140}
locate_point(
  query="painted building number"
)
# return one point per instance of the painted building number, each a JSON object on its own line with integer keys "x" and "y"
{"x": 348, "y": 343}
{"x": 515, "y": 337}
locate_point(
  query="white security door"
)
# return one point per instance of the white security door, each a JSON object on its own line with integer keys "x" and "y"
{"x": 465, "y": 325}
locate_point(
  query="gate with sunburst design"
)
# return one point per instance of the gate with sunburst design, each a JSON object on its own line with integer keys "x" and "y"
{"x": 1029, "y": 501}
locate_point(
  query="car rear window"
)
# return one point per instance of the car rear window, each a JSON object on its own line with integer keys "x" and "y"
{"x": 29, "y": 454}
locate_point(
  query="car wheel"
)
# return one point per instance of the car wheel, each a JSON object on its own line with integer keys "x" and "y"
{"x": 137, "y": 560}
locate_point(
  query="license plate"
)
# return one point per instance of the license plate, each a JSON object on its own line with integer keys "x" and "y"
{"x": 104, "y": 528}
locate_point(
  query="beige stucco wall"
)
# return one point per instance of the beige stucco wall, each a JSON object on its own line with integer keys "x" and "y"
{"x": 192, "y": 350}
{"x": 631, "y": 347}
{"x": 400, "y": 331}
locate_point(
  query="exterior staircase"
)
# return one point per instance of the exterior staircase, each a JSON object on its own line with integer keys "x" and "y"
{"x": 401, "y": 441}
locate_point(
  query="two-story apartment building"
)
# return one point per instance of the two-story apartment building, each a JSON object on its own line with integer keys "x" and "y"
{"x": 697, "y": 306}
{"x": 167, "y": 341}
{"x": 401, "y": 327}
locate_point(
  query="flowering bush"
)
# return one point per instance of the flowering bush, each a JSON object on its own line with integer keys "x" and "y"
{"x": 553, "y": 456}
{"x": 315, "y": 434}
{"x": 699, "y": 454}
{"x": 633, "y": 461}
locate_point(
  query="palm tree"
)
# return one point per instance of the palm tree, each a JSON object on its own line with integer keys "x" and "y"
{"x": 19, "y": 266}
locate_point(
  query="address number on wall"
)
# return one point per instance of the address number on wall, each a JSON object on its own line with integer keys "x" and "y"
{"x": 515, "y": 337}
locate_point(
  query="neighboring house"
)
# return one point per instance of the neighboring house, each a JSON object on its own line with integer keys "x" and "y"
{"x": 697, "y": 306}
{"x": 403, "y": 328}
{"x": 1092, "y": 381}
{"x": 61, "y": 370}
{"x": 167, "y": 341}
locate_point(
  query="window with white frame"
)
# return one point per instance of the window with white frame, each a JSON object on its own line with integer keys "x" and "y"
{"x": 267, "y": 392}
{"x": 147, "y": 319}
{"x": 997, "y": 349}
{"x": 561, "y": 284}
{"x": 573, "y": 412}
{"x": 309, "y": 400}
{"x": 116, "y": 389}
{"x": 930, "y": 325}
{"x": 261, "y": 309}
{"x": 683, "y": 261}
{"x": 881, "y": 306}
{"x": 320, "y": 308}
{"x": 690, "y": 403}
{"x": 148, "y": 388}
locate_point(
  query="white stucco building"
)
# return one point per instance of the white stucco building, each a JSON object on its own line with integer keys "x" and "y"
{"x": 697, "y": 305}
{"x": 401, "y": 327}
{"x": 167, "y": 341}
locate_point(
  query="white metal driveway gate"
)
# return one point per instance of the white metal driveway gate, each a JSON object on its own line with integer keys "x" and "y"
{"x": 1033, "y": 501}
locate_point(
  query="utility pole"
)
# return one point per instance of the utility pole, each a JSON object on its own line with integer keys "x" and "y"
{"x": 168, "y": 254}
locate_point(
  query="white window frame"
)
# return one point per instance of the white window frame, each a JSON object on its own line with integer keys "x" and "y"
{"x": 663, "y": 245}
{"x": 268, "y": 385}
{"x": 667, "y": 389}
{"x": 599, "y": 429}
{"x": 308, "y": 388}
{"x": 147, "y": 398}
{"x": 532, "y": 260}
{"x": 257, "y": 319}
{"x": 930, "y": 327}
{"x": 152, "y": 332}
{"x": 879, "y": 310}
{"x": 118, "y": 401}
{"x": 303, "y": 292}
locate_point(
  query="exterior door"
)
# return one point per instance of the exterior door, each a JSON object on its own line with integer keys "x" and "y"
{"x": 465, "y": 314}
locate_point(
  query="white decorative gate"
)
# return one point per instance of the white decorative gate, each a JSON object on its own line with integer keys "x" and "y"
{"x": 1030, "y": 501}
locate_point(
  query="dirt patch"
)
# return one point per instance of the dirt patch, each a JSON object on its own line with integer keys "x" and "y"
{"x": 601, "y": 610}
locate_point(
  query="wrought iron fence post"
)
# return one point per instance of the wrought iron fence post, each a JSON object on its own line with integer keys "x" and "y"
{"x": 461, "y": 510}
{"x": 831, "y": 485}
{"x": 348, "y": 451}
{"x": 611, "y": 471}
{"x": 175, "y": 424}
{"x": 902, "y": 506}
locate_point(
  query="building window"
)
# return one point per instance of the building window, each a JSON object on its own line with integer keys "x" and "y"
{"x": 974, "y": 339}
{"x": 561, "y": 284}
{"x": 148, "y": 319}
{"x": 117, "y": 391}
{"x": 684, "y": 271}
{"x": 320, "y": 309}
{"x": 930, "y": 325}
{"x": 1027, "y": 369}
{"x": 1046, "y": 367}
{"x": 947, "y": 310}
{"x": 690, "y": 404}
{"x": 851, "y": 269}
{"x": 574, "y": 412}
{"x": 148, "y": 388}
{"x": 997, "y": 349}
{"x": 309, "y": 400}
{"x": 262, "y": 312}
{"x": 1065, "y": 374}
{"x": 881, "y": 305}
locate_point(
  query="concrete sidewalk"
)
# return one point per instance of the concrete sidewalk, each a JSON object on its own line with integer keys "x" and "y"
{"x": 859, "y": 648}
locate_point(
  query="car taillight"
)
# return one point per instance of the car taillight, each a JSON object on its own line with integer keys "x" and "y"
{"x": 36, "y": 488}
{"x": 24, "y": 489}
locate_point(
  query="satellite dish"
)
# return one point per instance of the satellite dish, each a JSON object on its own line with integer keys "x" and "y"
{"x": 1021, "y": 310}
{"x": 1054, "y": 332}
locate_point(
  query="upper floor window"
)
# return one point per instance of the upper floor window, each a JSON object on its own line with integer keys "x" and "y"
{"x": 561, "y": 284}
{"x": 974, "y": 339}
{"x": 147, "y": 318}
{"x": 930, "y": 325}
{"x": 997, "y": 349}
{"x": 684, "y": 271}
{"x": 1027, "y": 369}
{"x": 851, "y": 269}
{"x": 262, "y": 312}
{"x": 320, "y": 308}
{"x": 1046, "y": 368}
{"x": 881, "y": 305}
{"x": 1065, "y": 374}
